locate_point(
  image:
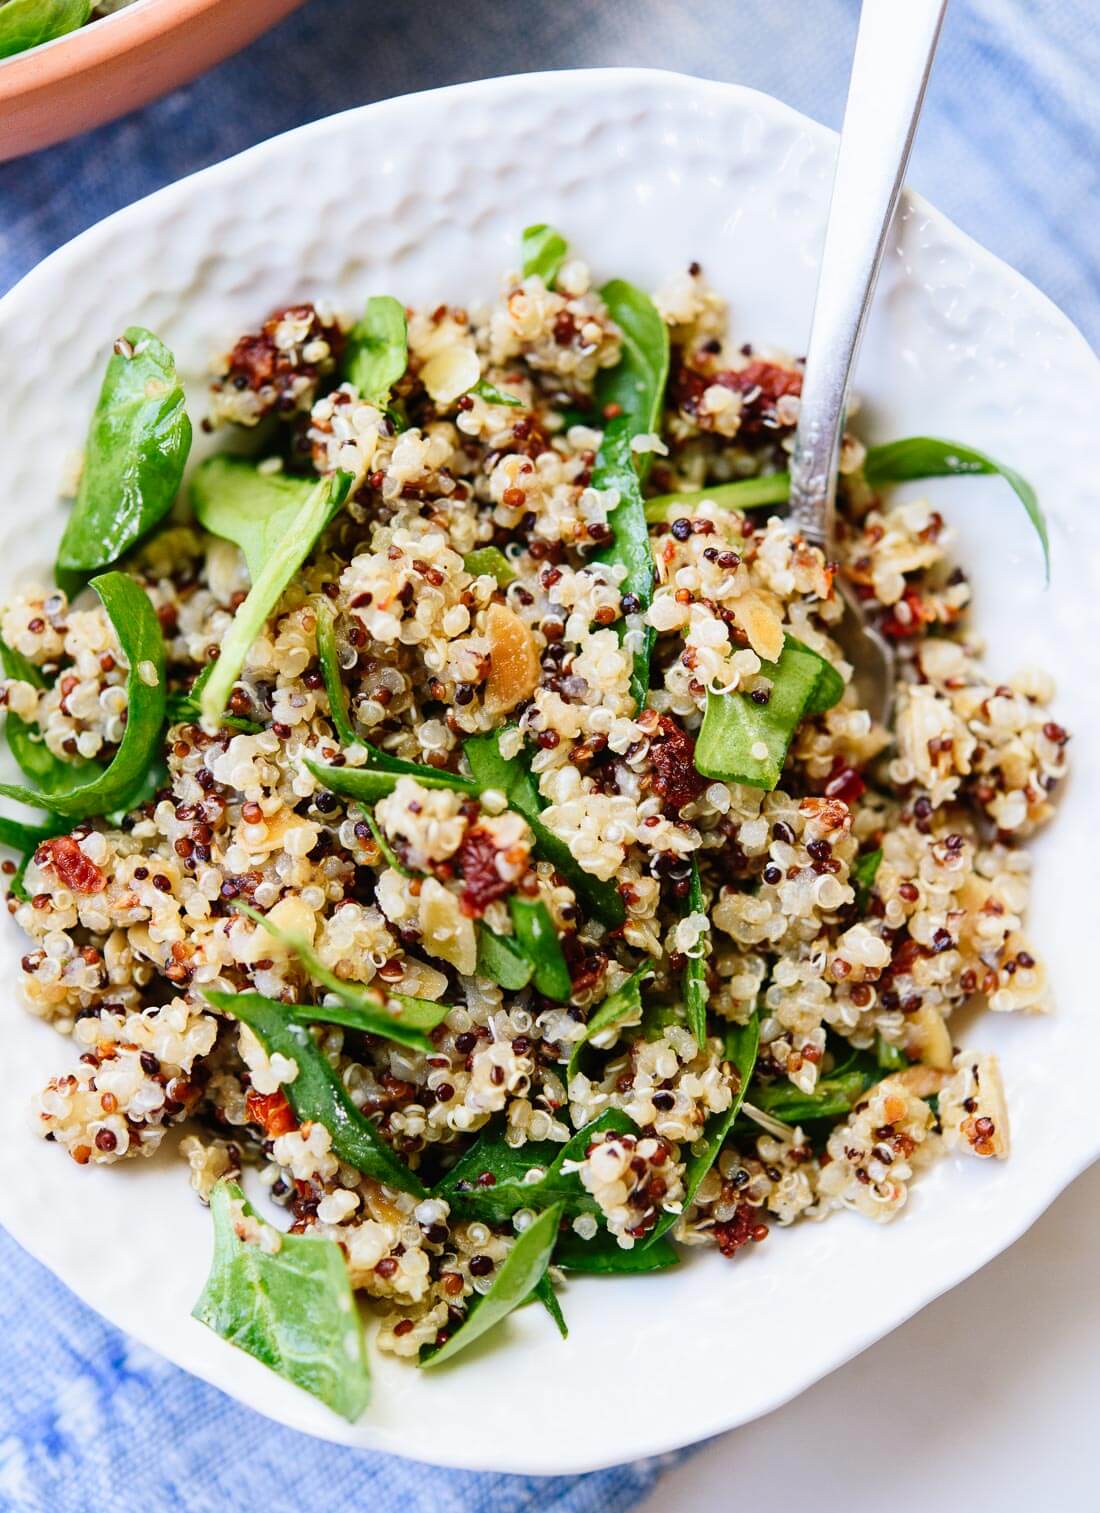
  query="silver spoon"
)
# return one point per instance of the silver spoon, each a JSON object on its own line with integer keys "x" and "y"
{"x": 893, "y": 59}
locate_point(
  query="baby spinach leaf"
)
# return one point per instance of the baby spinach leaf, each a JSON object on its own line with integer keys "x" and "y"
{"x": 544, "y": 252}
{"x": 389, "y": 855}
{"x": 512, "y": 777}
{"x": 393, "y": 1016}
{"x": 290, "y": 1306}
{"x": 833, "y": 1095}
{"x": 134, "y": 455}
{"x": 741, "y": 741}
{"x": 490, "y": 560}
{"x": 696, "y": 992}
{"x": 317, "y": 1093}
{"x": 27, "y": 23}
{"x": 339, "y": 712}
{"x": 522, "y": 1270}
{"x": 544, "y": 1291}
{"x": 232, "y": 498}
{"x": 468, "y": 1189}
{"x": 918, "y": 457}
{"x": 376, "y": 780}
{"x": 632, "y": 393}
{"x": 494, "y": 396}
{"x": 37, "y": 761}
{"x": 742, "y": 1044}
{"x": 624, "y": 1003}
{"x": 282, "y": 560}
{"x": 500, "y": 960}
{"x": 139, "y": 635}
{"x": 862, "y": 876}
{"x": 186, "y": 708}
{"x": 604, "y": 1256}
{"x": 891, "y": 1058}
{"x": 744, "y": 494}
{"x": 538, "y": 940}
{"x": 378, "y": 349}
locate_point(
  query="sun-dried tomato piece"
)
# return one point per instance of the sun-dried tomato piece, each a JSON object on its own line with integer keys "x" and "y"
{"x": 672, "y": 764}
{"x": 272, "y": 1111}
{"x": 844, "y": 782}
{"x": 911, "y": 620}
{"x": 258, "y": 363}
{"x": 64, "y": 857}
{"x": 482, "y": 882}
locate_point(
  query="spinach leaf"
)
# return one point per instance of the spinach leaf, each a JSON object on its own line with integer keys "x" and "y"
{"x": 317, "y": 1093}
{"x": 389, "y": 855}
{"x": 139, "y": 635}
{"x": 468, "y": 1189}
{"x": 25, "y": 742}
{"x": 512, "y": 777}
{"x": 339, "y": 713}
{"x": 282, "y": 561}
{"x": 376, "y": 780}
{"x": 891, "y": 1058}
{"x": 834, "y": 1095}
{"x": 906, "y": 461}
{"x": 378, "y": 349}
{"x": 26, "y": 23}
{"x": 862, "y": 876}
{"x": 522, "y": 1270}
{"x": 624, "y": 1003}
{"x": 633, "y": 393}
{"x": 360, "y": 1007}
{"x": 500, "y": 960}
{"x": 134, "y": 456}
{"x": 186, "y": 708}
{"x": 829, "y": 688}
{"x": 544, "y": 252}
{"x": 742, "y": 1044}
{"x": 494, "y": 396}
{"x": 290, "y": 1306}
{"x": 538, "y": 940}
{"x": 491, "y": 560}
{"x": 544, "y": 1291}
{"x": 25, "y": 840}
{"x": 233, "y": 499}
{"x": 696, "y": 992}
{"x": 918, "y": 457}
{"x": 744, "y": 494}
{"x": 741, "y": 741}
{"x": 604, "y": 1256}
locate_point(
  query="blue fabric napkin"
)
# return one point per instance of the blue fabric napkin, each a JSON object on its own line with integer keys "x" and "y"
{"x": 1008, "y": 147}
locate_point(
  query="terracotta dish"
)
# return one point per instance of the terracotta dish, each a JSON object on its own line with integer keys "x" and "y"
{"x": 118, "y": 63}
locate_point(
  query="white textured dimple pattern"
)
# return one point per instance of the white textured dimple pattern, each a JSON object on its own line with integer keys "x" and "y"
{"x": 425, "y": 198}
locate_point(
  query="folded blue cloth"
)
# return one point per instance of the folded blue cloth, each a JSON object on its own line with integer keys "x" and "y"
{"x": 1008, "y": 148}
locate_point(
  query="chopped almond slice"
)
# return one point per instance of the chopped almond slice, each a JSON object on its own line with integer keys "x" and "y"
{"x": 759, "y": 617}
{"x": 514, "y": 674}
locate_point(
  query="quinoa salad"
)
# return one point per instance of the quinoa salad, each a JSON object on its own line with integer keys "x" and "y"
{"x": 28, "y": 23}
{"x": 454, "y": 821}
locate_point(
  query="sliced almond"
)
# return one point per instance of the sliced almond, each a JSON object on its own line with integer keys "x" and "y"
{"x": 514, "y": 673}
{"x": 759, "y": 617}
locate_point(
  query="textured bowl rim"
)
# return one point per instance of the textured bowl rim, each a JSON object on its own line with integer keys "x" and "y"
{"x": 1064, "y": 1167}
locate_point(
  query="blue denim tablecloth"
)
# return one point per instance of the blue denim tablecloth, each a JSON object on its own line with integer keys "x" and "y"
{"x": 1009, "y": 147}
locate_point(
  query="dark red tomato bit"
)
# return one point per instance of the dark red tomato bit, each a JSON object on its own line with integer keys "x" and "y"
{"x": 272, "y": 1111}
{"x": 844, "y": 782}
{"x": 672, "y": 764}
{"x": 64, "y": 857}
{"x": 482, "y": 882}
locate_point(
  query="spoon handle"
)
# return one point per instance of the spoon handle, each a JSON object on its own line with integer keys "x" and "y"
{"x": 893, "y": 58}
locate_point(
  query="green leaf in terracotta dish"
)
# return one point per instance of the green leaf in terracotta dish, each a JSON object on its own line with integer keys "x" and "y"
{"x": 519, "y": 1274}
{"x": 317, "y": 1092}
{"x": 139, "y": 635}
{"x": 134, "y": 454}
{"x": 287, "y": 1300}
{"x": 282, "y": 558}
{"x": 378, "y": 349}
{"x": 544, "y": 252}
{"x": 28, "y": 23}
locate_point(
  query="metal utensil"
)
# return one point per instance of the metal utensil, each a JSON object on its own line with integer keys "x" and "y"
{"x": 893, "y": 59}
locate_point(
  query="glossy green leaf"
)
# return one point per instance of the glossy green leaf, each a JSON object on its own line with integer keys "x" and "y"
{"x": 604, "y": 1256}
{"x": 544, "y": 252}
{"x": 494, "y": 396}
{"x": 29, "y": 23}
{"x": 519, "y": 1274}
{"x": 339, "y": 712}
{"x": 744, "y": 494}
{"x": 47, "y": 771}
{"x": 284, "y": 558}
{"x": 490, "y": 560}
{"x": 624, "y": 1003}
{"x": 290, "y": 1306}
{"x": 742, "y": 1045}
{"x": 512, "y": 777}
{"x": 744, "y": 742}
{"x": 500, "y": 959}
{"x": 234, "y": 499}
{"x": 134, "y": 455}
{"x": 537, "y": 938}
{"x": 544, "y": 1291}
{"x": 862, "y": 876}
{"x": 374, "y": 782}
{"x": 891, "y": 1058}
{"x": 138, "y": 630}
{"x": 393, "y": 1016}
{"x": 317, "y": 1092}
{"x": 696, "y": 992}
{"x": 389, "y": 855}
{"x": 186, "y": 708}
{"x": 378, "y": 349}
{"x": 835, "y": 1094}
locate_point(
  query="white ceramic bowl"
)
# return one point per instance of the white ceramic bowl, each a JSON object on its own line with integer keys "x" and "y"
{"x": 425, "y": 197}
